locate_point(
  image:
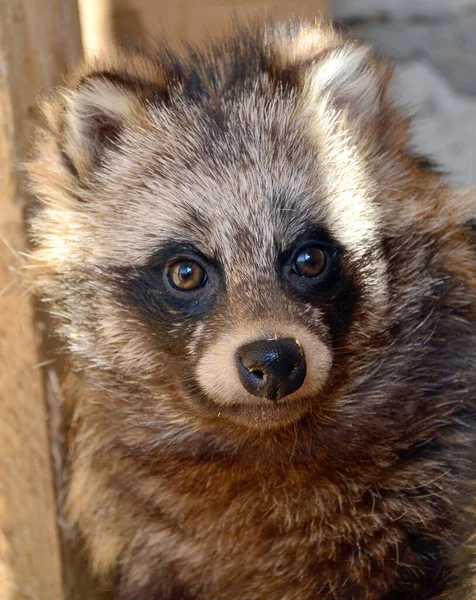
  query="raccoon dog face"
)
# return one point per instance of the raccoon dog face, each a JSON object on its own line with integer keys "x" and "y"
{"x": 215, "y": 231}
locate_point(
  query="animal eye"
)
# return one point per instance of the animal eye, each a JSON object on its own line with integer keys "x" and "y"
{"x": 310, "y": 262}
{"x": 186, "y": 275}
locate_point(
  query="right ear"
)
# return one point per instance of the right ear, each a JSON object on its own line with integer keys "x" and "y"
{"x": 100, "y": 105}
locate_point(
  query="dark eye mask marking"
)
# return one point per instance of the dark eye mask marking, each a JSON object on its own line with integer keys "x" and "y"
{"x": 150, "y": 289}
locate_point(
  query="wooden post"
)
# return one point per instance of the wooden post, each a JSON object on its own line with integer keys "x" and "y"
{"x": 38, "y": 42}
{"x": 142, "y": 22}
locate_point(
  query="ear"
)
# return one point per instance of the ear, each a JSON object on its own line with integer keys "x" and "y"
{"x": 94, "y": 116}
{"x": 337, "y": 73}
{"x": 99, "y": 107}
{"x": 351, "y": 80}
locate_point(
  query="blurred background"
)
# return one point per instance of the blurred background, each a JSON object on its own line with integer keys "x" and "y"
{"x": 434, "y": 44}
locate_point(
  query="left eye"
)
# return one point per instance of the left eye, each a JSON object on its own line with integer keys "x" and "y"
{"x": 186, "y": 275}
{"x": 310, "y": 262}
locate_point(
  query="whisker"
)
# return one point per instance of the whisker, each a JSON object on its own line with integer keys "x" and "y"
{"x": 8, "y": 286}
{"x": 15, "y": 253}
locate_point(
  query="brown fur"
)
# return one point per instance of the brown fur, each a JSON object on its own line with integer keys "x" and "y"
{"x": 183, "y": 484}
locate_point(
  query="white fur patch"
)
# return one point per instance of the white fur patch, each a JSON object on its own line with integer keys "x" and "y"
{"x": 348, "y": 76}
{"x": 218, "y": 376}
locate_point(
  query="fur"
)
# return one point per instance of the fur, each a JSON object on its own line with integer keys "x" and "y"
{"x": 182, "y": 484}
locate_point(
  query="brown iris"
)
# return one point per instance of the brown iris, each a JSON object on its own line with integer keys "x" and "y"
{"x": 310, "y": 262}
{"x": 186, "y": 275}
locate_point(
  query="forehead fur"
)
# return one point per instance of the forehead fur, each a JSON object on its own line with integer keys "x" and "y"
{"x": 246, "y": 143}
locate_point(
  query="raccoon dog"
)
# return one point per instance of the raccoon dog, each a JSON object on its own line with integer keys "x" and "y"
{"x": 268, "y": 306}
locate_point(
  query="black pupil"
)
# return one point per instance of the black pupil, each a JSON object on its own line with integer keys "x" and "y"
{"x": 310, "y": 262}
{"x": 185, "y": 272}
{"x": 186, "y": 275}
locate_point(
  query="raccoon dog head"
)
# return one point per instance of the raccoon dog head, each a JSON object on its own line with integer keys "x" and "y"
{"x": 214, "y": 229}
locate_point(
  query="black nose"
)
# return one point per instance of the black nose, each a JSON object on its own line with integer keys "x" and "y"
{"x": 272, "y": 368}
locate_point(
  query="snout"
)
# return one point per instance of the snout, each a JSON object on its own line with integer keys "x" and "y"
{"x": 267, "y": 375}
{"x": 271, "y": 369}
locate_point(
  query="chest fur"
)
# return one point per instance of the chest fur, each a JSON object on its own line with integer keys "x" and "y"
{"x": 291, "y": 535}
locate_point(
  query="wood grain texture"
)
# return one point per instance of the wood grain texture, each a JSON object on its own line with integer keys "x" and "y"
{"x": 38, "y": 43}
{"x": 141, "y": 22}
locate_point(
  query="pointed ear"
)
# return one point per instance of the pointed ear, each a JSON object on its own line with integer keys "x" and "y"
{"x": 100, "y": 105}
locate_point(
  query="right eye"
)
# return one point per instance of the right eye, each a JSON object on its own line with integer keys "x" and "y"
{"x": 186, "y": 275}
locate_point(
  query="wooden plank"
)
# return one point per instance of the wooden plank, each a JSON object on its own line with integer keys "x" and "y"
{"x": 143, "y": 21}
{"x": 193, "y": 19}
{"x": 38, "y": 43}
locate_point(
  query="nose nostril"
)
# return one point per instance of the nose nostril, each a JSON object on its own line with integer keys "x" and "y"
{"x": 271, "y": 368}
{"x": 292, "y": 368}
{"x": 257, "y": 373}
